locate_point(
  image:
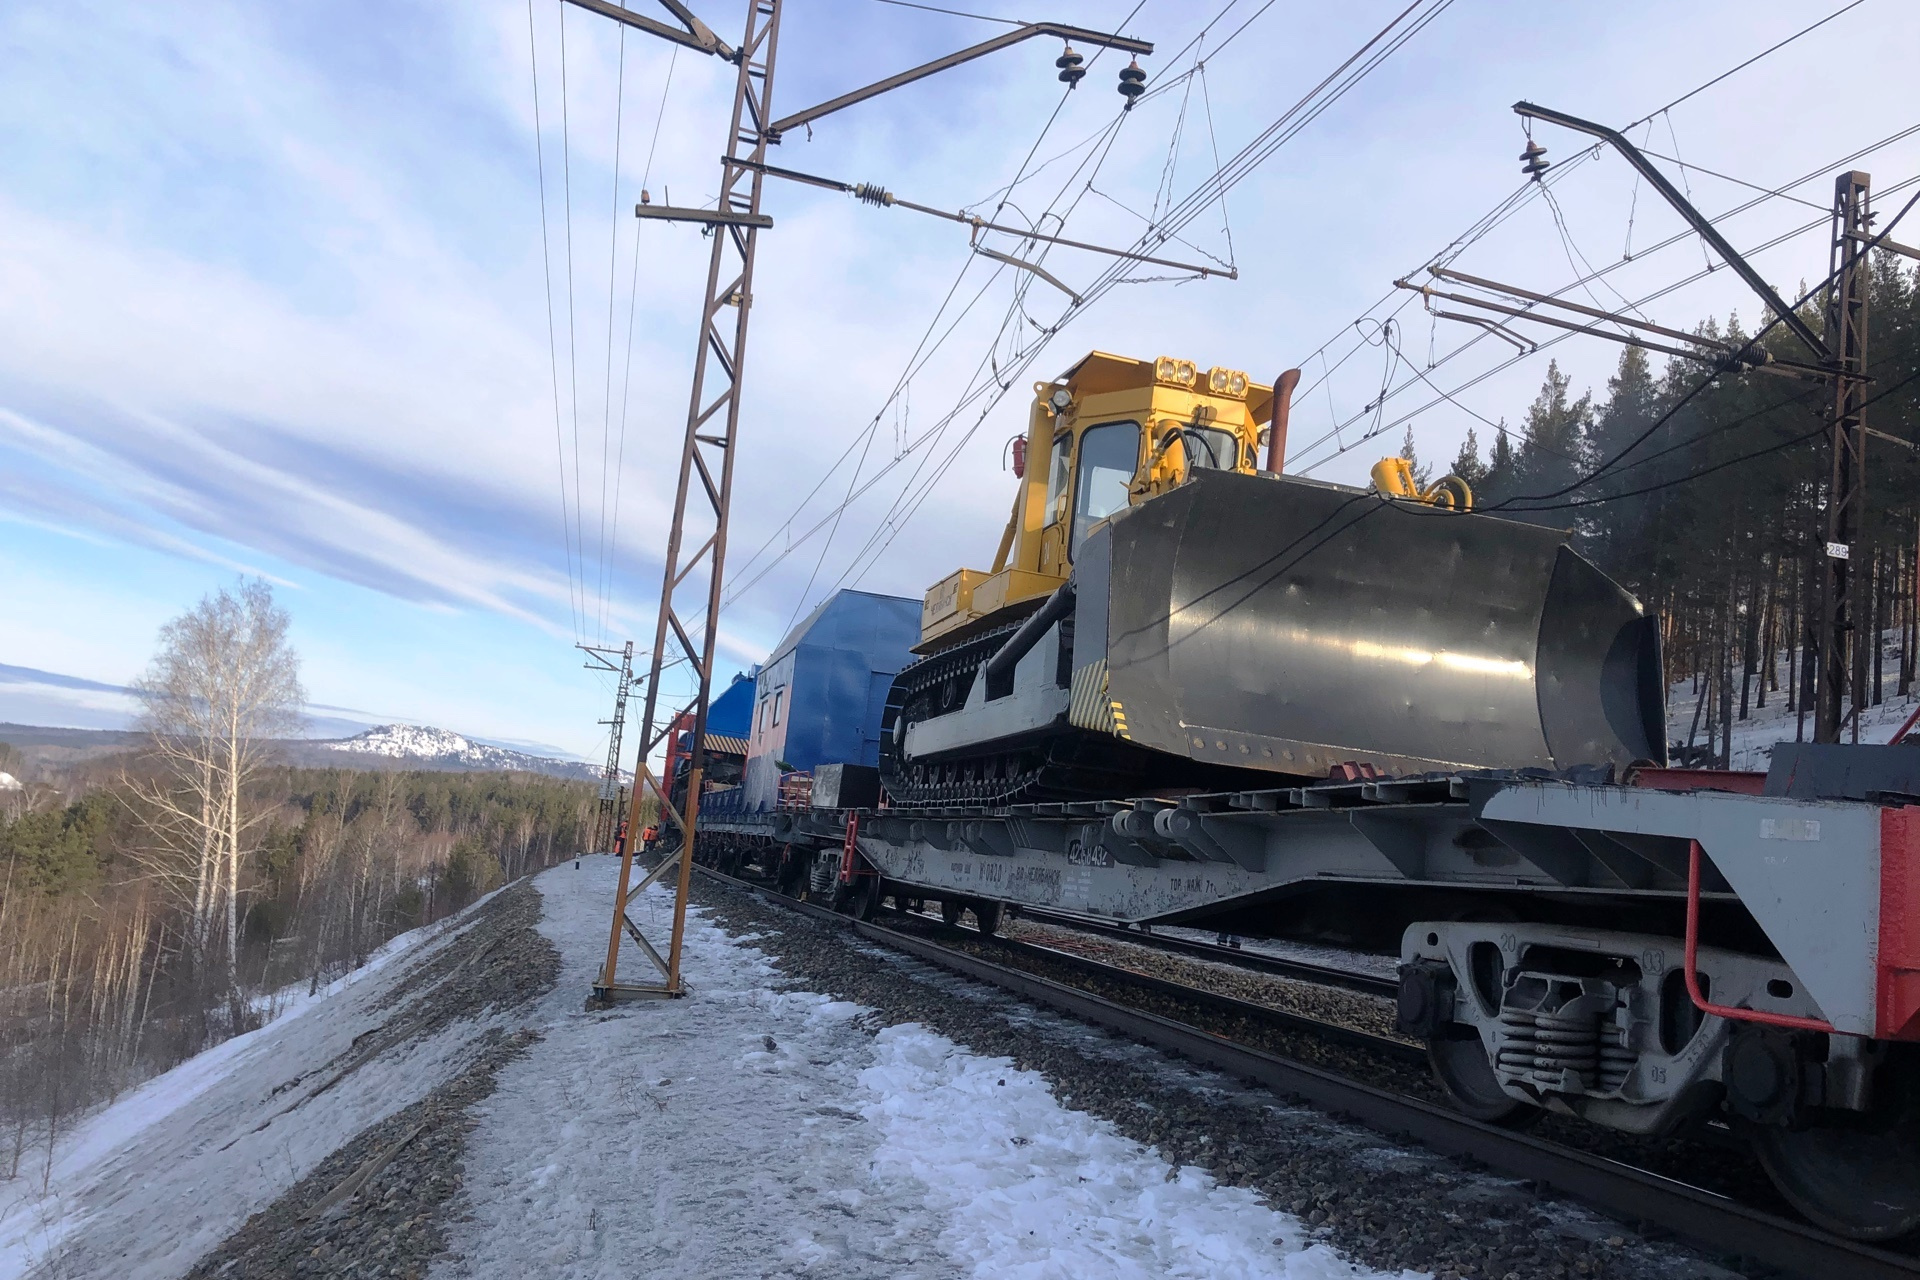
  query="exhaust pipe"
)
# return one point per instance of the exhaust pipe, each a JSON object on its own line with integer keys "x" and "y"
{"x": 1000, "y": 666}
{"x": 1282, "y": 405}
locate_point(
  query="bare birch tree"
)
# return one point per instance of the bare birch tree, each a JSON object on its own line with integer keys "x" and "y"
{"x": 224, "y": 683}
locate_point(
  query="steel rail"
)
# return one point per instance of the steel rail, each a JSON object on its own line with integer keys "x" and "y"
{"x": 1699, "y": 1217}
{"x": 1226, "y": 1006}
{"x": 1278, "y": 966}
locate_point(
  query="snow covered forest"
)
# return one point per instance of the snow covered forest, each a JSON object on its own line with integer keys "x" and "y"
{"x": 153, "y": 903}
{"x": 1705, "y": 495}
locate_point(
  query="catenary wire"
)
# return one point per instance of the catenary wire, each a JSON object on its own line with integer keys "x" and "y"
{"x": 1316, "y": 101}
{"x": 573, "y": 357}
{"x": 553, "y": 341}
{"x": 1744, "y": 65}
{"x": 633, "y": 300}
{"x": 1677, "y": 238}
{"x": 1507, "y": 207}
{"x": 606, "y": 394}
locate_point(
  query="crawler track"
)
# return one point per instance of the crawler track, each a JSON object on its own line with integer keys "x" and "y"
{"x": 1700, "y": 1217}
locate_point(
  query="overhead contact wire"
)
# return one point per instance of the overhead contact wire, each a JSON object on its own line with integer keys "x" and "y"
{"x": 553, "y": 341}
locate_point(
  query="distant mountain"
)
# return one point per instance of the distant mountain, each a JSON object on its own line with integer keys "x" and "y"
{"x": 430, "y": 748}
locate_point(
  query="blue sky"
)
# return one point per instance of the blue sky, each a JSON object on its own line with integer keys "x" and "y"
{"x": 272, "y": 297}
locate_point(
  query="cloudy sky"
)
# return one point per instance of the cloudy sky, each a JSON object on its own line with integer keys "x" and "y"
{"x": 274, "y": 289}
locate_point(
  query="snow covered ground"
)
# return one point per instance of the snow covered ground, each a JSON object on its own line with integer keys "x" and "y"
{"x": 750, "y": 1130}
{"x": 756, "y": 1130}
{"x": 148, "y": 1184}
{"x": 1754, "y": 737}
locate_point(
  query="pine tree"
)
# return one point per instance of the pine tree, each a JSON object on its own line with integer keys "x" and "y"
{"x": 1467, "y": 464}
{"x": 1422, "y": 472}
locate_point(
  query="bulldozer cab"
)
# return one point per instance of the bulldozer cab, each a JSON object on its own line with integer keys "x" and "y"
{"x": 1110, "y": 432}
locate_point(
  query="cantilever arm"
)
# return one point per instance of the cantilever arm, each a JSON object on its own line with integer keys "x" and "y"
{"x": 1024, "y": 32}
{"x": 1694, "y": 217}
{"x": 695, "y": 35}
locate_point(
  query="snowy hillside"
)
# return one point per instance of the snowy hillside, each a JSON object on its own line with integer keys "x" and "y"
{"x": 450, "y": 1110}
{"x": 443, "y": 749}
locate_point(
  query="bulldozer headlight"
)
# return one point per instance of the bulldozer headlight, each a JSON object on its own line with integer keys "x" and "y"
{"x": 1061, "y": 398}
{"x": 1181, "y": 373}
{"x": 1226, "y": 382}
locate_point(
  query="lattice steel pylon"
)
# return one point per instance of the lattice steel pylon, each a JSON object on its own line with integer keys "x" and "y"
{"x": 713, "y": 418}
{"x": 1846, "y": 335}
{"x": 705, "y": 490}
{"x": 606, "y": 819}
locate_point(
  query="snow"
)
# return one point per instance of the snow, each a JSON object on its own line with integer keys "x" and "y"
{"x": 444, "y": 747}
{"x": 621, "y": 1140}
{"x": 1754, "y": 737}
{"x": 750, "y": 1129}
{"x": 217, "y": 1138}
{"x": 1031, "y": 1189}
{"x": 10, "y": 783}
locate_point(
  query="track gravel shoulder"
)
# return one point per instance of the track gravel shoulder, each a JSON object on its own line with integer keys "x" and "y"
{"x": 1385, "y": 1206}
{"x": 376, "y": 1208}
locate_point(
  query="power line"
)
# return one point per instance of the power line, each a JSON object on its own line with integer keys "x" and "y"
{"x": 1744, "y": 65}
{"x": 1641, "y": 302}
{"x": 1738, "y": 182}
{"x": 573, "y": 358}
{"x": 613, "y": 255}
{"x": 1507, "y": 207}
{"x": 553, "y": 342}
{"x": 1304, "y": 112}
{"x": 633, "y": 300}
{"x": 957, "y": 13}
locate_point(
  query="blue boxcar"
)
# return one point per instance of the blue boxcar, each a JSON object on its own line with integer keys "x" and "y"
{"x": 819, "y": 697}
{"x": 730, "y": 715}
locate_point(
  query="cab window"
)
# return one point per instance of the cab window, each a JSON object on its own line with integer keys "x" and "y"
{"x": 1057, "y": 473}
{"x": 1109, "y": 457}
{"x": 1211, "y": 447}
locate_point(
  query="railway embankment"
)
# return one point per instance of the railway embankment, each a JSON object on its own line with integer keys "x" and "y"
{"x": 819, "y": 1105}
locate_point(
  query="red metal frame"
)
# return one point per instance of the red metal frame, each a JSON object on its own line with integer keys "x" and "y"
{"x": 849, "y": 853}
{"x": 1906, "y": 728}
{"x": 1700, "y": 1002}
{"x": 1897, "y": 993}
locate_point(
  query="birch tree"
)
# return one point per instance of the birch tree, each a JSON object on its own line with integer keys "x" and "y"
{"x": 223, "y": 685}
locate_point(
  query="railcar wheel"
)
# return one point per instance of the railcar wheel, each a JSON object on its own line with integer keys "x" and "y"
{"x": 791, "y": 876}
{"x": 987, "y": 916}
{"x": 1861, "y": 1184}
{"x": 1462, "y": 1068}
{"x": 951, "y": 909}
{"x": 867, "y": 894}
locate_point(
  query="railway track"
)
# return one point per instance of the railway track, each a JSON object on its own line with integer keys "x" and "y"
{"x": 1222, "y": 1006}
{"x": 1276, "y": 966}
{"x": 1699, "y": 1217}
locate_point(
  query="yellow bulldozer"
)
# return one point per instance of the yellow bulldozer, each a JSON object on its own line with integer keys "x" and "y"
{"x": 1167, "y": 610}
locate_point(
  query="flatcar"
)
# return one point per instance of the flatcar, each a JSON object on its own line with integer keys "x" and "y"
{"x": 1457, "y": 755}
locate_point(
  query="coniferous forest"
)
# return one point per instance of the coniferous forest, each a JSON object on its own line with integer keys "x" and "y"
{"x": 1705, "y": 495}
{"x": 104, "y": 979}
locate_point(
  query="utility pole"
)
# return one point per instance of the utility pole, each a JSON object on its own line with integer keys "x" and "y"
{"x": 1846, "y": 334}
{"x": 607, "y": 819}
{"x": 1839, "y": 360}
{"x": 689, "y": 615}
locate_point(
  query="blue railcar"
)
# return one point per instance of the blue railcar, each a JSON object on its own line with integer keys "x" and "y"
{"x": 819, "y": 697}
{"x": 730, "y": 716}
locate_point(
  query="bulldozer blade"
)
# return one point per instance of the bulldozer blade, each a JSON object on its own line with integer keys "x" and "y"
{"x": 1287, "y": 625}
